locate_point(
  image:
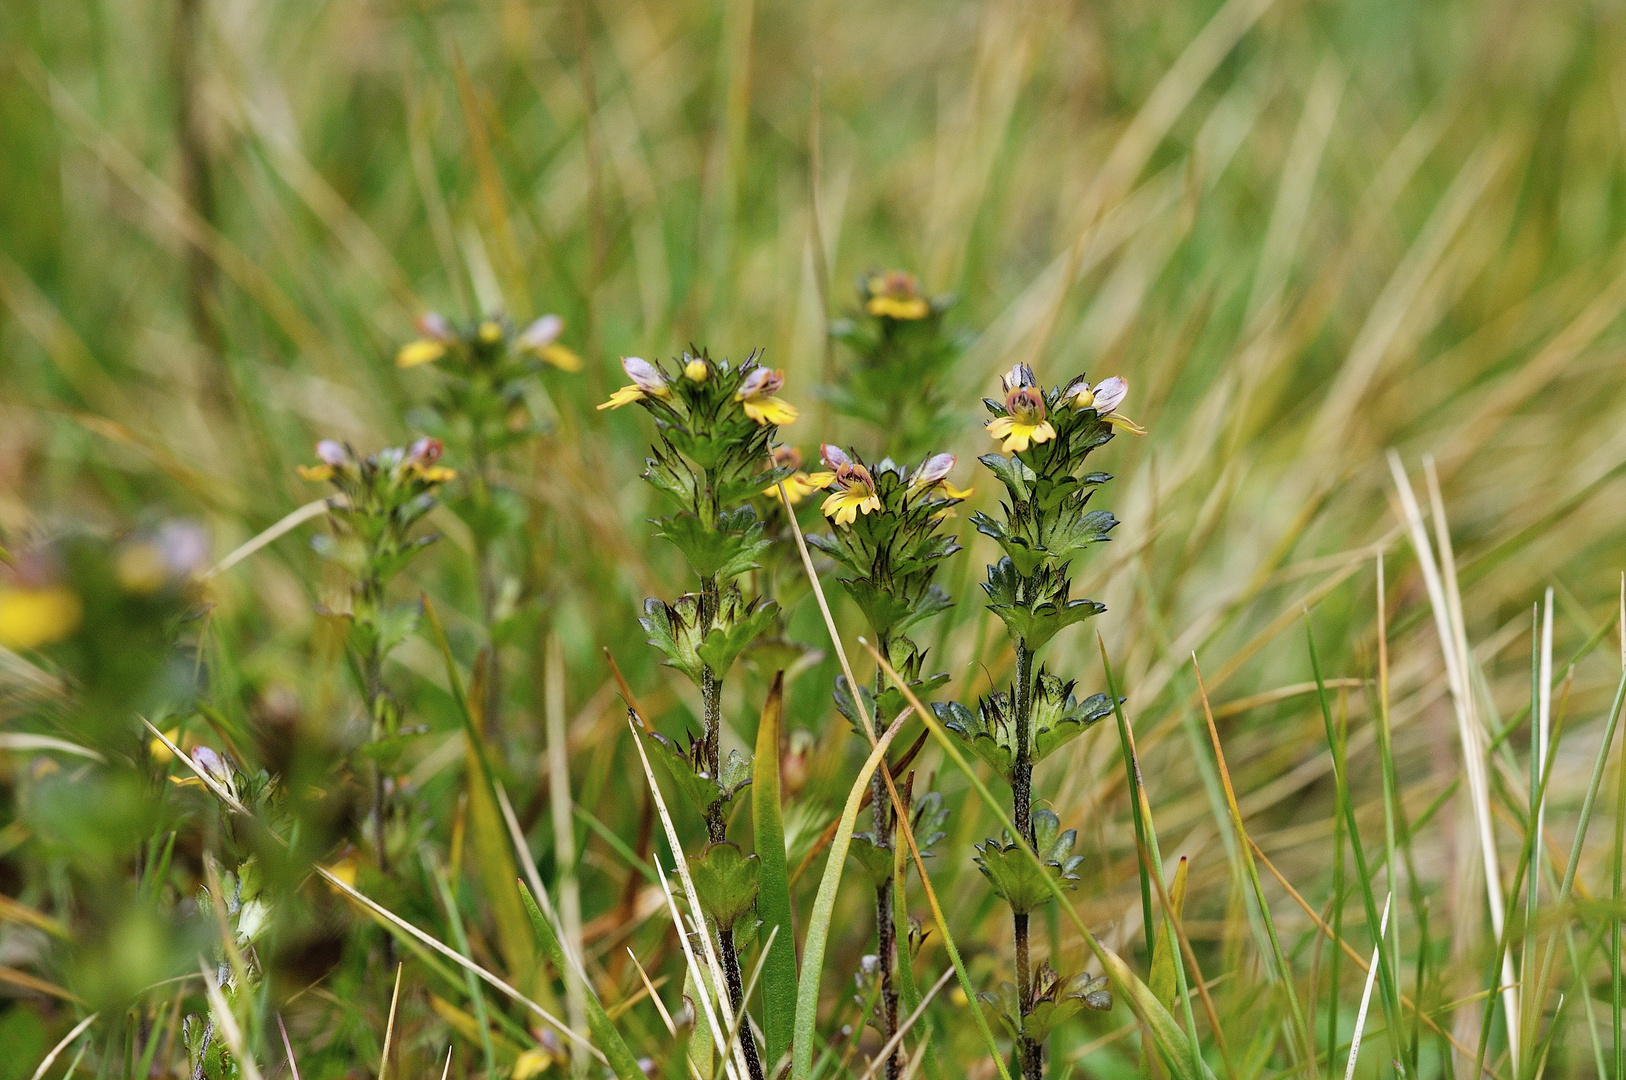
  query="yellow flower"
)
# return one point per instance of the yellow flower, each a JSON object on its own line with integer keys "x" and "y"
{"x": 1024, "y": 423}
{"x": 896, "y": 295}
{"x": 490, "y": 332}
{"x": 161, "y": 753}
{"x": 756, "y": 394}
{"x": 530, "y": 1064}
{"x": 344, "y": 870}
{"x": 843, "y": 506}
{"x": 420, "y": 352}
{"x": 855, "y": 489}
{"x": 436, "y": 474}
{"x": 139, "y": 567}
{"x": 33, "y": 618}
{"x": 314, "y": 472}
{"x": 542, "y": 338}
{"x": 647, "y": 382}
{"x": 696, "y": 370}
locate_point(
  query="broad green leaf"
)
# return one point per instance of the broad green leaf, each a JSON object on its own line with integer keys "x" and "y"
{"x": 773, "y": 897}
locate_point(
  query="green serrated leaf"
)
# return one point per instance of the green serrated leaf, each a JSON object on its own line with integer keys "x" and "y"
{"x": 1013, "y": 874}
{"x": 727, "y": 881}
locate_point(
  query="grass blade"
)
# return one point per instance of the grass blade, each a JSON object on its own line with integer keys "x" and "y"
{"x": 773, "y": 896}
{"x": 1363, "y": 874}
{"x": 824, "y": 904}
{"x": 1366, "y": 993}
{"x": 605, "y": 1034}
{"x": 1284, "y": 971}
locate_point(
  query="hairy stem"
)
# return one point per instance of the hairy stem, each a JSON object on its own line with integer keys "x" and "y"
{"x": 886, "y": 946}
{"x": 1022, "y": 818}
{"x": 736, "y": 999}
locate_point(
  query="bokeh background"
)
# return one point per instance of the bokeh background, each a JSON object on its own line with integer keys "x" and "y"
{"x": 1305, "y": 232}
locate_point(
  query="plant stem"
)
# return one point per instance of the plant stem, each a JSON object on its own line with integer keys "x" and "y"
{"x": 1022, "y": 818}
{"x": 886, "y": 944}
{"x": 736, "y": 998}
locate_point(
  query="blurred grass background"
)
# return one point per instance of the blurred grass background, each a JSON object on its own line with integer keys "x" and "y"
{"x": 1305, "y": 232}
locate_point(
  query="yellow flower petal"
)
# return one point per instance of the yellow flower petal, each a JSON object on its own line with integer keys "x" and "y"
{"x": 420, "y": 352}
{"x": 32, "y": 618}
{"x": 314, "y": 472}
{"x": 490, "y": 332}
{"x": 624, "y": 396}
{"x": 1123, "y": 423}
{"x": 696, "y": 370}
{"x": 903, "y": 308}
{"x": 772, "y": 410}
{"x": 530, "y": 1064}
{"x": 560, "y": 357}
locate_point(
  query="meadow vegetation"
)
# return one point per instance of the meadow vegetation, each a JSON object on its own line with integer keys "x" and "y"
{"x": 607, "y": 539}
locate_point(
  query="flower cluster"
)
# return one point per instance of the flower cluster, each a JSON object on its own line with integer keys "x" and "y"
{"x": 903, "y": 358}
{"x": 887, "y": 538}
{"x": 1045, "y": 437}
{"x": 379, "y": 499}
{"x": 489, "y": 403}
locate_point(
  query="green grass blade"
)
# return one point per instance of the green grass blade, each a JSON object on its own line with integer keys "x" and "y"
{"x": 1574, "y": 864}
{"x": 1363, "y": 875}
{"x": 605, "y": 1035}
{"x": 773, "y": 897}
{"x": 1134, "y": 808}
{"x": 824, "y": 909}
{"x": 1283, "y": 969}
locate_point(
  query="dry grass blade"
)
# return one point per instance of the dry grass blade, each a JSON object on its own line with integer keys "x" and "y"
{"x": 288, "y": 1048}
{"x": 453, "y": 955}
{"x": 1469, "y": 732}
{"x": 564, "y": 832}
{"x": 885, "y": 1052}
{"x": 67, "y": 1040}
{"x": 287, "y": 524}
{"x": 24, "y": 741}
{"x": 716, "y": 983}
{"x": 389, "y": 1026}
{"x": 226, "y": 1023}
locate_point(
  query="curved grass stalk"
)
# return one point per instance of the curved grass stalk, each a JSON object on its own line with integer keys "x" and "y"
{"x": 824, "y": 905}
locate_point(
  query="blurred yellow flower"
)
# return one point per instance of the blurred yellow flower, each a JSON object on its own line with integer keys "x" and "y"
{"x": 896, "y": 295}
{"x": 140, "y": 568}
{"x": 530, "y": 1064}
{"x": 420, "y": 352}
{"x": 33, "y": 618}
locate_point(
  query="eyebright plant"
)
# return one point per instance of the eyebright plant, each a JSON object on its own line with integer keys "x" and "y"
{"x": 377, "y": 503}
{"x": 887, "y": 542}
{"x": 1045, "y": 437}
{"x": 903, "y": 358}
{"x": 484, "y": 410}
{"x": 715, "y": 425}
